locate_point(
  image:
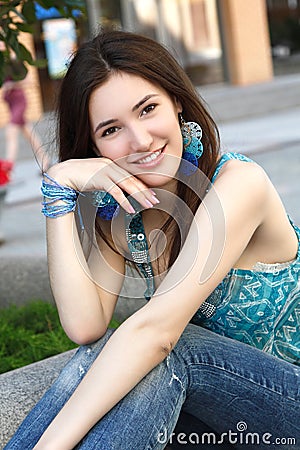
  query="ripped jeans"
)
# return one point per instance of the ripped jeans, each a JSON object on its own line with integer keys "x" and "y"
{"x": 239, "y": 397}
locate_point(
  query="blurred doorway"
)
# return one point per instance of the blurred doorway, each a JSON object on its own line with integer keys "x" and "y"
{"x": 284, "y": 26}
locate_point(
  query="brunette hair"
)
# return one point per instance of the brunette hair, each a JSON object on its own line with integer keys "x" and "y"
{"x": 118, "y": 51}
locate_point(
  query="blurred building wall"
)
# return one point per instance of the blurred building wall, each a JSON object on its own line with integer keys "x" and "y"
{"x": 246, "y": 41}
{"x": 214, "y": 40}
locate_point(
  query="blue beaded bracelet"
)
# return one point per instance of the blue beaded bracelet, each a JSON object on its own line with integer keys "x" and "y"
{"x": 55, "y": 192}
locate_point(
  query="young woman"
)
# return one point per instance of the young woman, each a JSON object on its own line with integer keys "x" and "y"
{"x": 138, "y": 146}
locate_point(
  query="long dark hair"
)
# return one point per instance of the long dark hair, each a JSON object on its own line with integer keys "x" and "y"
{"x": 118, "y": 51}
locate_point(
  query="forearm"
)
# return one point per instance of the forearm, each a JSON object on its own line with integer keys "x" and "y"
{"x": 128, "y": 356}
{"x": 72, "y": 285}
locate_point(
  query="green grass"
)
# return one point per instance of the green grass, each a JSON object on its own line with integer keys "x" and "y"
{"x": 30, "y": 333}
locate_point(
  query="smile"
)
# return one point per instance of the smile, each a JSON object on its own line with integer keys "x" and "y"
{"x": 149, "y": 158}
{"x": 152, "y": 159}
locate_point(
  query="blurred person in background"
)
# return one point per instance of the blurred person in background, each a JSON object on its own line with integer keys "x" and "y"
{"x": 15, "y": 98}
{"x": 13, "y": 94}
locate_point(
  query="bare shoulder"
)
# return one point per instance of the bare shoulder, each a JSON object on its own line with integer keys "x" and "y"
{"x": 240, "y": 169}
{"x": 245, "y": 189}
{"x": 245, "y": 181}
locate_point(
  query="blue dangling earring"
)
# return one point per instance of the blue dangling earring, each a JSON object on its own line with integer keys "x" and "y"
{"x": 107, "y": 206}
{"x": 192, "y": 145}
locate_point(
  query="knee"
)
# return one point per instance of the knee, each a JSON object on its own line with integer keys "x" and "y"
{"x": 79, "y": 364}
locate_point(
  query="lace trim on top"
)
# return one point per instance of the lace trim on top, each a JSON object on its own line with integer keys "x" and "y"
{"x": 271, "y": 268}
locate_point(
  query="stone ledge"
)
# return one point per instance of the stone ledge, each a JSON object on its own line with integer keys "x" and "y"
{"x": 20, "y": 389}
{"x": 24, "y": 279}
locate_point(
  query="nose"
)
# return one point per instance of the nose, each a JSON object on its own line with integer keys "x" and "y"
{"x": 140, "y": 138}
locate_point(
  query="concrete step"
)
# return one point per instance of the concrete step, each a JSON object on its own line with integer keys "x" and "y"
{"x": 228, "y": 103}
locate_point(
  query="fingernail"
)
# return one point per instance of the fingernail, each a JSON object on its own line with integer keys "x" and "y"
{"x": 155, "y": 199}
{"x": 152, "y": 192}
{"x": 130, "y": 209}
{"x": 148, "y": 203}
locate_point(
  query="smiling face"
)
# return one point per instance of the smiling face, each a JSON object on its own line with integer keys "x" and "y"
{"x": 135, "y": 124}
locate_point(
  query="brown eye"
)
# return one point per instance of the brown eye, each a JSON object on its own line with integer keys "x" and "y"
{"x": 110, "y": 131}
{"x": 148, "y": 109}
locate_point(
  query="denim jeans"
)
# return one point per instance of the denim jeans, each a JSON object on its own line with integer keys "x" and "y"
{"x": 238, "y": 396}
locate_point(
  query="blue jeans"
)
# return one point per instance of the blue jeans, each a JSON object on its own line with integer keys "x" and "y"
{"x": 239, "y": 397}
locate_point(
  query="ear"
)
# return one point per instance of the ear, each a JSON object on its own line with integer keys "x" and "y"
{"x": 178, "y": 106}
{"x": 96, "y": 151}
{"x": 95, "y": 148}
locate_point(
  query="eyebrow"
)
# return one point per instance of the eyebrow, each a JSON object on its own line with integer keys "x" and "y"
{"x": 141, "y": 102}
{"x": 137, "y": 106}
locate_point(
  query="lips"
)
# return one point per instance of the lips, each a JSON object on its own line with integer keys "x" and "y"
{"x": 149, "y": 158}
{"x": 146, "y": 158}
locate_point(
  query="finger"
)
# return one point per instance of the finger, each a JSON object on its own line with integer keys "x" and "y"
{"x": 151, "y": 195}
{"x": 132, "y": 185}
{"x": 117, "y": 193}
{"x": 137, "y": 189}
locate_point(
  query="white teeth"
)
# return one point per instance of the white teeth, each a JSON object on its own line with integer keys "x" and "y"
{"x": 149, "y": 158}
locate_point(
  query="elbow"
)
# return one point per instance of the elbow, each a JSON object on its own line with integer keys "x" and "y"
{"x": 83, "y": 331}
{"x": 85, "y": 336}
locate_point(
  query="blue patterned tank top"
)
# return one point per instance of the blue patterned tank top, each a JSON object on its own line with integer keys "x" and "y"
{"x": 260, "y": 307}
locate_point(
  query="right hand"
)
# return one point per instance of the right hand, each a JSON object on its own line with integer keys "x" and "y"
{"x": 94, "y": 174}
